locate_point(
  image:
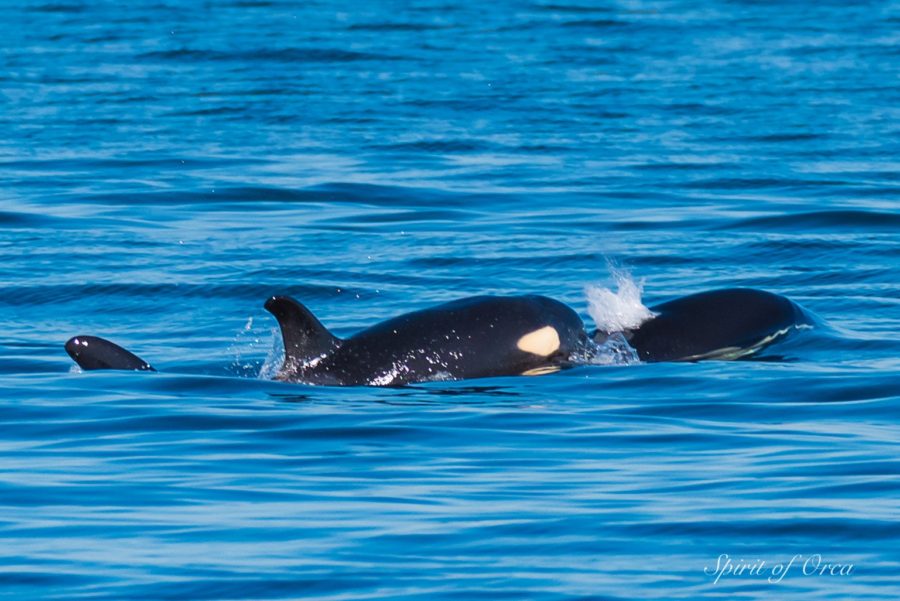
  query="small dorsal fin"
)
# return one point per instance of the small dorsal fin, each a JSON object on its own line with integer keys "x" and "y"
{"x": 304, "y": 336}
{"x": 91, "y": 352}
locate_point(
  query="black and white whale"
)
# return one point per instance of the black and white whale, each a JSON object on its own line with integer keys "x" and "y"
{"x": 470, "y": 338}
{"x": 486, "y": 336}
{"x": 718, "y": 324}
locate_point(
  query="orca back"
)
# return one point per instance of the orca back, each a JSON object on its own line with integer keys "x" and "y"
{"x": 469, "y": 338}
{"x": 716, "y": 324}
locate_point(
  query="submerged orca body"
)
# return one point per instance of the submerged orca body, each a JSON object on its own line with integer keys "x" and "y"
{"x": 720, "y": 324}
{"x": 494, "y": 336}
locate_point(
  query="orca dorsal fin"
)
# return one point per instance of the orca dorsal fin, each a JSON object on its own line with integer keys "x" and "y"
{"x": 92, "y": 352}
{"x": 304, "y": 336}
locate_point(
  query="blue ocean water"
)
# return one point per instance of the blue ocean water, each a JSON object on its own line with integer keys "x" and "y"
{"x": 167, "y": 165}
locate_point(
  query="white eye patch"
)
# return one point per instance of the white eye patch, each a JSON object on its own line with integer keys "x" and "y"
{"x": 543, "y": 342}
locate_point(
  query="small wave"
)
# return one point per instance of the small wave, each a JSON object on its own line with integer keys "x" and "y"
{"x": 287, "y": 55}
{"x": 252, "y": 4}
{"x": 119, "y": 293}
{"x": 786, "y": 137}
{"x": 394, "y": 27}
{"x": 436, "y": 146}
{"x": 411, "y": 216}
{"x": 387, "y": 195}
{"x": 19, "y": 219}
{"x": 220, "y": 195}
{"x": 594, "y": 24}
{"x": 827, "y": 220}
{"x": 92, "y": 164}
{"x": 620, "y": 310}
{"x": 757, "y": 183}
{"x": 58, "y": 8}
{"x": 572, "y": 8}
{"x": 217, "y": 110}
{"x": 661, "y": 165}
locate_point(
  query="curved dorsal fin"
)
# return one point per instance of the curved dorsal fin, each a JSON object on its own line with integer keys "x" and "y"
{"x": 92, "y": 352}
{"x": 304, "y": 336}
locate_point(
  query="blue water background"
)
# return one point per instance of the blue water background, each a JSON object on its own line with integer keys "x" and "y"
{"x": 166, "y": 166}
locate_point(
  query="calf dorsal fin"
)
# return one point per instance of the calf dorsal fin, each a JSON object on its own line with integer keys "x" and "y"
{"x": 92, "y": 352}
{"x": 304, "y": 336}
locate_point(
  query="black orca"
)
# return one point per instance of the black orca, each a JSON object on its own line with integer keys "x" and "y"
{"x": 470, "y": 338}
{"x": 719, "y": 324}
{"x": 495, "y": 336}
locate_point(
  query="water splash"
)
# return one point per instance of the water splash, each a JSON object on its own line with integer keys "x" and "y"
{"x": 244, "y": 343}
{"x": 620, "y": 310}
{"x": 615, "y": 350}
{"x": 249, "y": 342}
{"x": 274, "y": 358}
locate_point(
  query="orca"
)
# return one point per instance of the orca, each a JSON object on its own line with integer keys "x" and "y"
{"x": 470, "y": 338}
{"x": 718, "y": 324}
{"x": 487, "y": 336}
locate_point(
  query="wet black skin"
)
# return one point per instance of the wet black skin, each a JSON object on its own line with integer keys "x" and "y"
{"x": 695, "y": 326}
{"x": 91, "y": 352}
{"x": 478, "y": 337}
{"x": 470, "y": 338}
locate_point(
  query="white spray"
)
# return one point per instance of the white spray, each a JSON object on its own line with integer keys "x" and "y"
{"x": 620, "y": 310}
{"x": 274, "y": 358}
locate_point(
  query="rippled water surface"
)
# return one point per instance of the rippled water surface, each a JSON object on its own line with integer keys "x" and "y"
{"x": 166, "y": 166}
